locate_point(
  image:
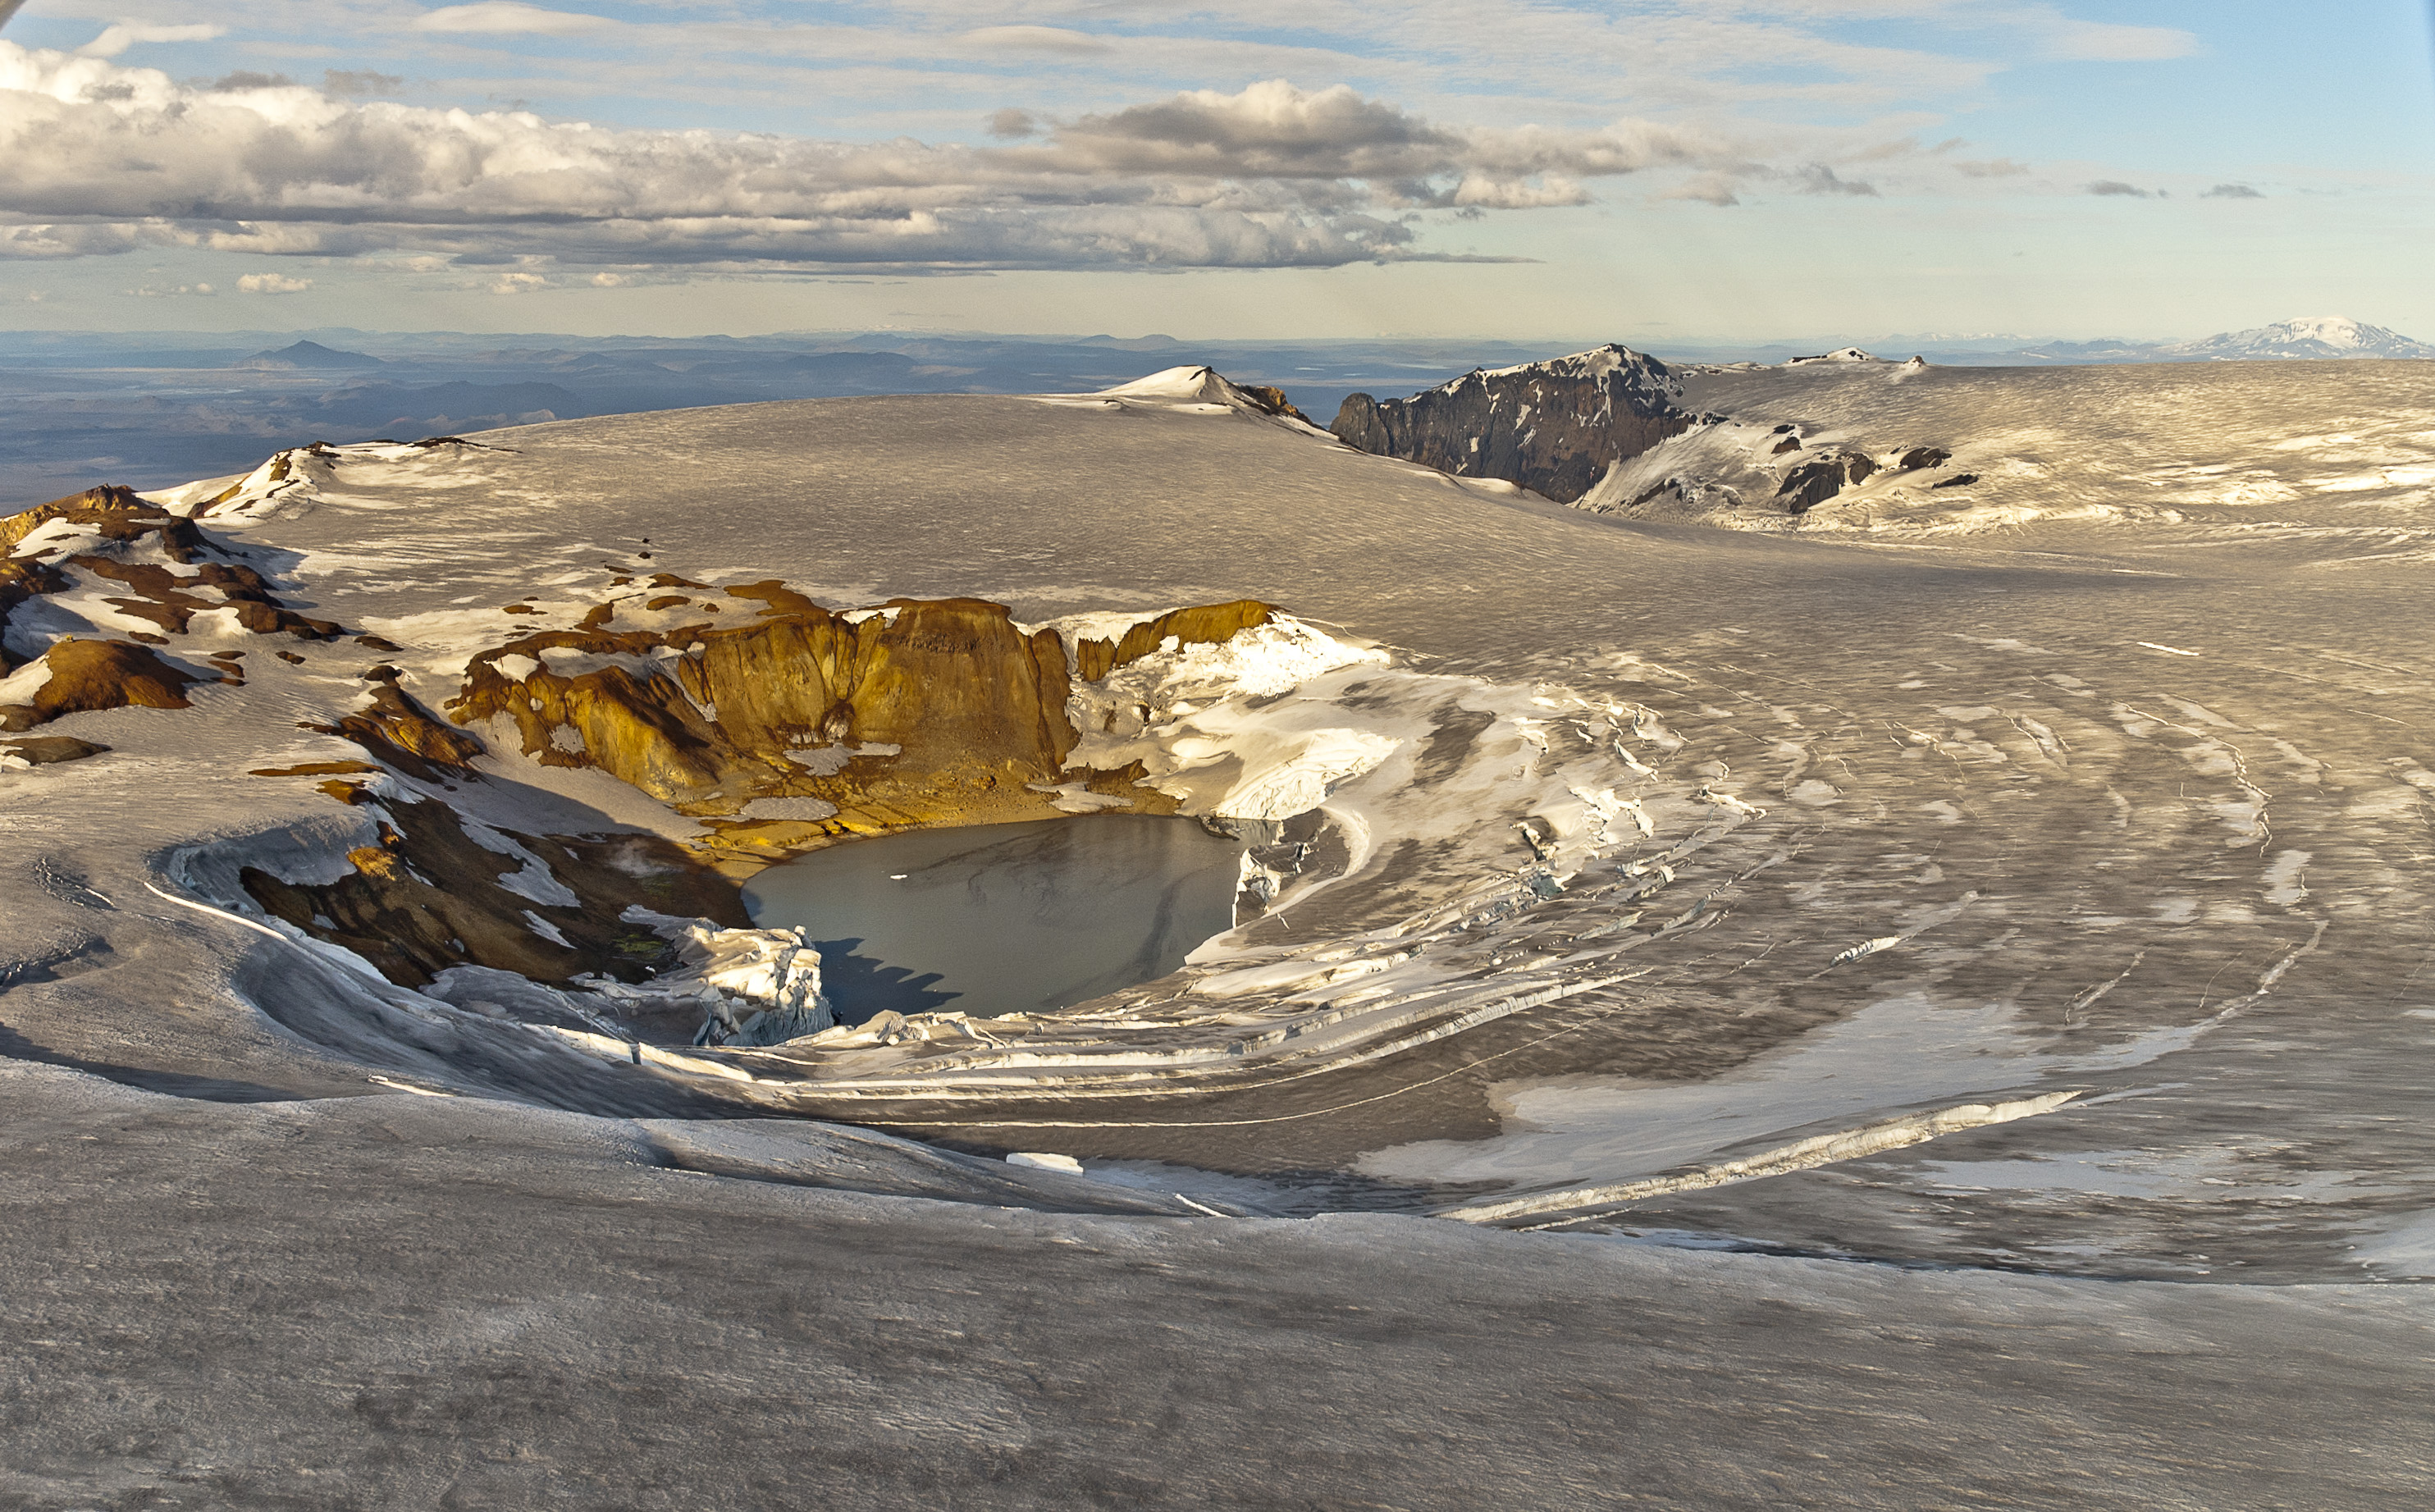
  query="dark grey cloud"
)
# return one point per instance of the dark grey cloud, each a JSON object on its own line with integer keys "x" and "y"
{"x": 245, "y": 79}
{"x": 359, "y": 83}
{"x": 1817, "y": 179}
{"x": 2116, "y": 189}
{"x": 2232, "y": 191}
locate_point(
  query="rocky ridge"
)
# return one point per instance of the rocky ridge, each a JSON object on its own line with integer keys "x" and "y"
{"x": 802, "y": 724}
{"x": 1555, "y": 428}
{"x": 142, "y": 570}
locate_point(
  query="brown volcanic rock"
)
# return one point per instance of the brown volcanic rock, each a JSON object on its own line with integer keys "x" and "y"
{"x": 1273, "y": 400}
{"x": 167, "y": 598}
{"x": 46, "y": 750}
{"x": 976, "y": 707}
{"x": 92, "y": 675}
{"x": 954, "y": 682}
{"x": 19, "y": 581}
{"x": 1205, "y": 625}
{"x": 427, "y": 898}
{"x": 395, "y": 728}
{"x": 1552, "y": 427}
{"x": 92, "y": 504}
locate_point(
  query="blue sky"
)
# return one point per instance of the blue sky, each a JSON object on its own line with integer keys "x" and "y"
{"x": 1643, "y": 169}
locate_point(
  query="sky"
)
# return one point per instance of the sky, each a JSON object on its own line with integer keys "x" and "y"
{"x": 1652, "y": 170}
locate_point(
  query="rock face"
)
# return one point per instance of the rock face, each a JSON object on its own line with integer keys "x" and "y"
{"x": 1552, "y": 427}
{"x": 802, "y": 724}
{"x": 1273, "y": 400}
{"x": 431, "y": 895}
{"x": 1813, "y": 483}
{"x": 398, "y": 731}
{"x": 1207, "y": 625}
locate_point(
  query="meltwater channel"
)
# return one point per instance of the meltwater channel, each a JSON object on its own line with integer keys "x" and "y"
{"x": 1005, "y": 917}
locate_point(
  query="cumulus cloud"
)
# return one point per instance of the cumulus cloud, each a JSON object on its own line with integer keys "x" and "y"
{"x": 2116, "y": 189}
{"x": 270, "y": 284}
{"x": 97, "y": 157}
{"x": 1708, "y": 189}
{"x": 2232, "y": 191}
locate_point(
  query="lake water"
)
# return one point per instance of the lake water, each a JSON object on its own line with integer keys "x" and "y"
{"x": 1003, "y": 918}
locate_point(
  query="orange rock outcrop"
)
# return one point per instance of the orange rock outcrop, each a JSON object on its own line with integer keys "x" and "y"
{"x": 916, "y": 712}
{"x": 92, "y": 675}
{"x": 1205, "y": 625}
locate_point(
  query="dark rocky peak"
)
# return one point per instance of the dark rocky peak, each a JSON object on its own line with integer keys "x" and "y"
{"x": 1553, "y": 427}
{"x": 1814, "y": 482}
{"x": 1199, "y": 385}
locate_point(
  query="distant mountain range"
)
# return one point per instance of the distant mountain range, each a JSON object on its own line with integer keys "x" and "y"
{"x": 306, "y": 355}
{"x": 2311, "y": 339}
{"x": 2329, "y": 336}
{"x": 151, "y": 408}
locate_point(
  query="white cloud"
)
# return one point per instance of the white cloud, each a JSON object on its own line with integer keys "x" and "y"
{"x": 2108, "y": 42}
{"x": 507, "y": 17}
{"x": 116, "y": 40}
{"x": 94, "y": 157}
{"x": 270, "y": 283}
{"x": 1038, "y": 40}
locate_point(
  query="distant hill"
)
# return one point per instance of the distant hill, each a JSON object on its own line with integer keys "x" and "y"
{"x": 2327, "y": 337}
{"x": 307, "y": 356}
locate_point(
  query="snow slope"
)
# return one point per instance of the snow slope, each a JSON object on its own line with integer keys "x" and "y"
{"x": 1601, "y": 859}
{"x": 2324, "y": 336}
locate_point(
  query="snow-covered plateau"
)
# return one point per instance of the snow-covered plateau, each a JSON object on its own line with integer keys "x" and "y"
{"x": 1743, "y": 991}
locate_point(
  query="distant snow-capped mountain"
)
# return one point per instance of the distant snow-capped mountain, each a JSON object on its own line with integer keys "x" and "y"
{"x": 2326, "y": 337}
